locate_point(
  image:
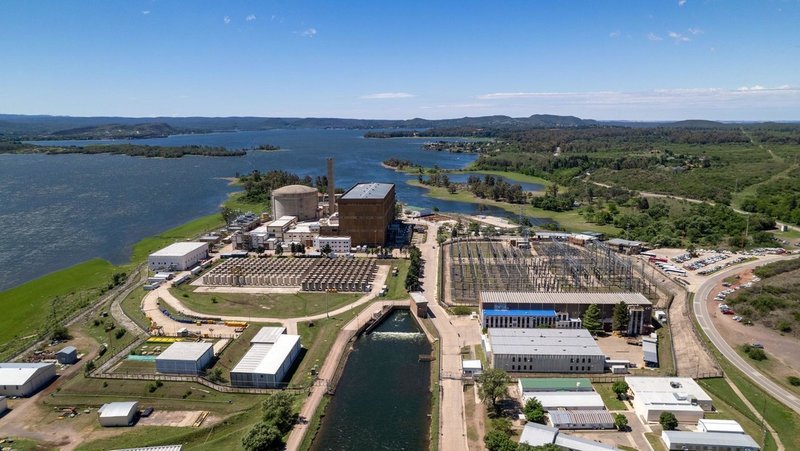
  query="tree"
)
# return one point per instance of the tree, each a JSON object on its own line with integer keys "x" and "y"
{"x": 498, "y": 441}
{"x": 620, "y": 388}
{"x": 263, "y": 437}
{"x": 534, "y": 411}
{"x": 279, "y": 250}
{"x": 621, "y": 422}
{"x": 591, "y": 319}
{"x": 668, "y": 421}
{"x": 326, "y": 250}
{"x": 620, "y": 318}
{"x": 494, "y": 386}
{"x": 215, "y": 375}
{"x": 277, "y": 410}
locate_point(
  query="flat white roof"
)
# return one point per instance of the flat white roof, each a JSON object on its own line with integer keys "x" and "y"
{"x": 418, "y": 297}
{"x": 543, "y": 342}
{"x": 567, "y": 400}
{"x": 537, "y": 434}
{"x": 580, "y": 443}
{"x": 283, "y": 221}
{"x": 185, "y": 351}
{"x": 729, "y": 426}
{"x": 118, "y": 409}
{"x": 154, "y": 448}
{"x": 718, "y": 439}
{"x": 268, "y": 335}
{"x": 179, "y": 249}
{"x": 657, "y": 390}
{"x": 513, "y": 297}
{"x": 267, "y": 358}
{"x": 471, "y": 365}
{"x": 19, "y": 373}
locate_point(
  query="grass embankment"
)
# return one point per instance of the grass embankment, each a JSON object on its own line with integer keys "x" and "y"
{"x": 27, "y": 308}
{"x": 569, "y": 220}
{"x": 728, "y": 406}
{"x": 772, "y": 368}
{"x": 191, "y": 229}
{"x": 666, "y": 364}
{"x": 131, "y": 305}
{"x": 655, "y": 441}
{"x": 237, "y": 201}
{"x": 396, "y": 284}
{"x": 270, "y": 305}
{"x": 782, "y": 419}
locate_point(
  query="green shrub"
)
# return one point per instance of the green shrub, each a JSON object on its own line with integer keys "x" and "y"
{"x": 794, "y": 381}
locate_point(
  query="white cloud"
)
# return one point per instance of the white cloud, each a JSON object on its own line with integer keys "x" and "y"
{"x": 388, "y": 95}
{"x": 250, "y": 18}
{"x": 695, "y": 31}
{"x": 226, "y": 19}
{"x": 309, "y": 33}
{"x": 145, "y": 13}
{"x": 681, "y": 2}
{"x": 654, "y": 37}
{"x": 677, "y": 37}
{"x": 614, "y": 34}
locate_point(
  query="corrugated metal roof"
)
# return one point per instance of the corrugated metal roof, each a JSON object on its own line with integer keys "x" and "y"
{"x": 516, "y": 297}
{"x": 268, "y": 335}
{"x": 718, "y": 439}
{"x": 118, "y": 409}
{"x": 587, "y": 417}
{"x": 20, "y": 373}
{"x": 267, "y": 358}
{"x": 154, "y": 448}
{"x": 531, "y": 313}
{"x": 543, "y": 342}
{"x": 368, "y": 191}
{"x": 179, "y": 249}
{"x": 67, "y": 350}
{"x": 185, "y": 351}
{"x": 621, "y": 242}
{"x": 556, "y": 384}
{"x": 650, "y": 351}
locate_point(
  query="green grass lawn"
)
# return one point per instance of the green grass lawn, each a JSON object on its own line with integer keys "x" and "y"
{"x": 770, "y": 368}
{"x": 191, "y": 229}
{"x": 396, "y": 284}
{"x": 27, "y": 306}
{"x": 665, "y": 362}
{"x": 609, "y": 397}
{"x": 236, "y": 201}
{"x": 655, "y": 441}
{"x": 262, "y": 305}
{"x": 23, "y": 445}
{"x": 131, "y": 306}
{"x": 728, "y": 406}
{"x": 569, "y": 220}
{"x": 115, "y": 345}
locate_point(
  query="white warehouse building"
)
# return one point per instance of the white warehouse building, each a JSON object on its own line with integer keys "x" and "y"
{"x": 185, "y": 358}
{"x": 25, "y": 379}
{"x": 338, "y": 244}
{"x": 178, "y": 256}
{"x": 544, "y": 351}
{"x": 680, "y": 395}
{"x": 116, "y": 414}
{"x": 265, "y": 365}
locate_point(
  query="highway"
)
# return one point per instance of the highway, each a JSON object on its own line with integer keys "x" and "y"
{"x": 704, "y": 319}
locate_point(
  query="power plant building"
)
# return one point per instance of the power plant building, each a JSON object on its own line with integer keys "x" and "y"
{"x": 365, "y": 212}
{"x": 185, "y": 357}
{"x": 118, "y": 414}
{"x": 295, "y": 200}
{"x": 25, "y": 379}
{"x": 269, "y": 359}
{"x": 178, "y": 256}
{"x": 544, "y": 351}
{"x": 506, "y": 309}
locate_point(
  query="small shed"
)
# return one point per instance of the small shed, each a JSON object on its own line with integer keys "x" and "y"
{"x": 471, "y": 368}
{"x": 650, "y": 350}
{"x": 116, "y": 414}
{"x": 419, "y": 304}
{"x": 67, "y": 355}
{"x": 185, "y": 357}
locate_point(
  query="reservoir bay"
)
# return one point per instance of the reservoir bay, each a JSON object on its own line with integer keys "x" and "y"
{"x": 60, "y": 210}
{"x": 383, "y": 398}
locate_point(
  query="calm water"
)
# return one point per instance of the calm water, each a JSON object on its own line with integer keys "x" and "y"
{"x": 56, "y": 211}
{"x": 383, "y": 398}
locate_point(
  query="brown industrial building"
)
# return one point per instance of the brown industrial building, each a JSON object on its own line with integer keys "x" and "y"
{"x": 365, "y": 212}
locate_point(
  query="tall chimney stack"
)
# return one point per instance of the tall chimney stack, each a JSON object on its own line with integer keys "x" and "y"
{"x": 331, "y": 188}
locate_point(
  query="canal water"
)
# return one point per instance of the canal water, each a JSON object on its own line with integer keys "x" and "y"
{"x": 383, "y": 398}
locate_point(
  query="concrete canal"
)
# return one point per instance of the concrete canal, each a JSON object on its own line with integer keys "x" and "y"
{"x": 383, "y": 398}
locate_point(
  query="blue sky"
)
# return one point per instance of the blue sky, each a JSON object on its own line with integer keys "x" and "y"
{"x": 634, "y": 60}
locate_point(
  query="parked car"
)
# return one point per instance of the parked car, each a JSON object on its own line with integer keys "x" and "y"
{"x": 757, "y": 345}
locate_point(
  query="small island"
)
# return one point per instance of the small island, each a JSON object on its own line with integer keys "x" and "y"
{"x": 400, "y": 165}
{"x": 266, "y": 148}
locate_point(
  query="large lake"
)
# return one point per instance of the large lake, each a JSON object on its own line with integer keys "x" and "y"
{"x": 56, "y": 211}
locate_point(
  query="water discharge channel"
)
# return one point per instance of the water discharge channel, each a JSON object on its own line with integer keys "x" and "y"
{"x": 383, "y": 398}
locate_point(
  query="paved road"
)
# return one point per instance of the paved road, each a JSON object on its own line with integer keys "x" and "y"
{"x": 452, "y": 430}
{"x": 704, "y": 318}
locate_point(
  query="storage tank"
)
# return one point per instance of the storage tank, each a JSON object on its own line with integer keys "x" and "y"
{"x": 295, "y": 200}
